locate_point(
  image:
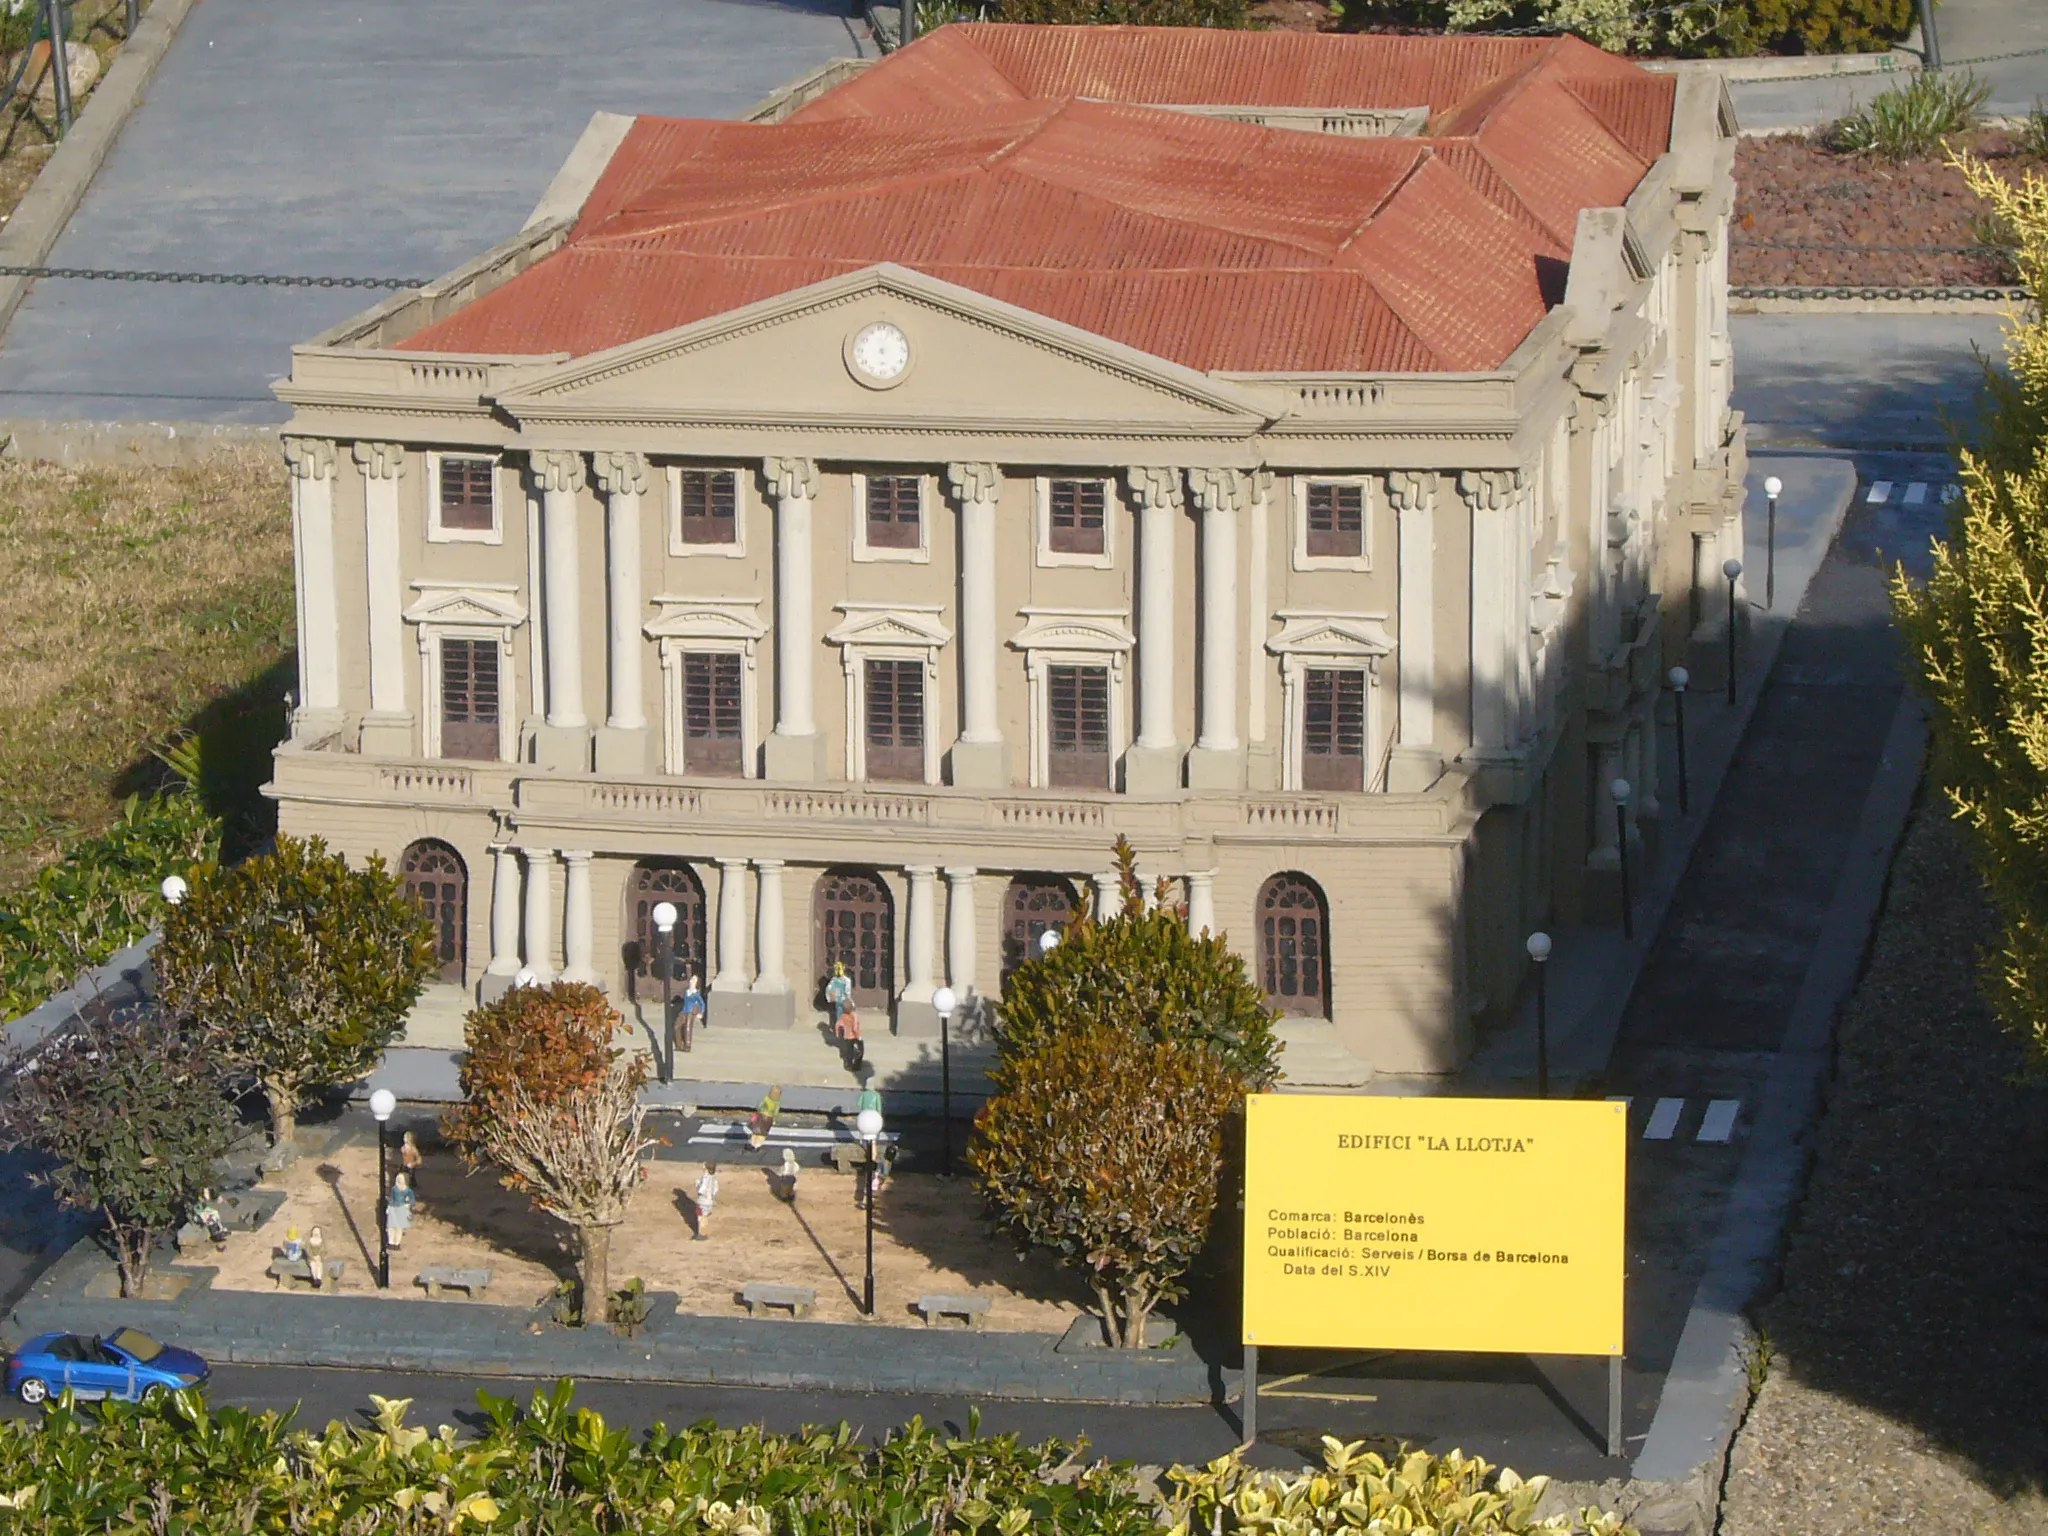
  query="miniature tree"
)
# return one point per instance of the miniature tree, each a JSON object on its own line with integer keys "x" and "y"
{"x": 295, "y": 969}
{"x": 1106, "y": 1146}
{"x": 133, "y": 1116}
{"x": 554, "y": 1108}
{"x": 1978, "y": 632}
{"x": 1142, "y": 971}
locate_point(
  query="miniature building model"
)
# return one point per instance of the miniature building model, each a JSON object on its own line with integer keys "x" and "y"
{"x": 1301, "y": 454}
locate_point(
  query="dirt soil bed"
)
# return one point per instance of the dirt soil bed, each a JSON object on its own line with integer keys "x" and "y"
{"x": 929, "y": 1237}
{"x": 1907, "y": 1388}
{"x": 1794, "y": 191}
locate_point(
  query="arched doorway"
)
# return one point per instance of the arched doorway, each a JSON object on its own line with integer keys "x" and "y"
{"x": 655, "y": 881}
{"x": 1294, "y": 946}
{"x": 1032, "y": 905}
{"x": 436, "y": 878}
{"x": 856, "y": 927}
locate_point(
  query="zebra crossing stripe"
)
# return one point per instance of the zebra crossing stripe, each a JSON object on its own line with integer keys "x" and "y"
{"x": 1880, "y": 493}
{"x": 1719, "y": 1122}
{"x": 1916, "y": 493}
{"x": 1664, "y": 1120}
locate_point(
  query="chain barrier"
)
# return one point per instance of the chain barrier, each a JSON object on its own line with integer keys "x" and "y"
{"x": 1830, "y": 291}
{"x": 1891, "y": 250}
{"x": 233, "y": 279}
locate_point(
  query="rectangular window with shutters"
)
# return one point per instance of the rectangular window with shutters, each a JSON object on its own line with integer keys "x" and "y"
{"x": 1076, "y": 517}
{"x": 1333, "y": 730}
{"x": 707, "y": 507}
{"x": 1077, "y": 727}
{"x": 469, "y": 699}
{"x": 465, "y": 500}
{"x": 714, "y": 737}
{"x": 894, "y": 728}
{"x": 1335, "y": 516}
{"x": 892, "y": 517}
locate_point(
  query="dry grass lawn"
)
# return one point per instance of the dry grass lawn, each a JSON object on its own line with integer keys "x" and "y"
{"x": 132, "y": 599}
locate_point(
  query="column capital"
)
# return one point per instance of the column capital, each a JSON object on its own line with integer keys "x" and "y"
{"x": 310, "y": 458}
{"x": 1217, "y": 490}
{"x": 1152, "y": 487}
{"x": 960, "y": 873}
{"x": 620, "y": 473}
{"x": 1261, "y": 483}
{"x": 921, "y": 871}
{"x": 1489, "y": 490}
{"x": 558, "y": 469}
{"x": 531, "y": 852}
{"x": 791, "y": 479}
{"x": 379, "y": 461}
{"x": 1412, "y": 490}
{"x": 732, "y": 863}
{"x": 974, "y": 482}
{"x": 578, "y": 855}
{"x": 767, "y": 866}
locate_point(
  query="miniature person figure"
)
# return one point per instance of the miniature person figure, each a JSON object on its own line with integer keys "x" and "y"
{"x": 785, "y": 1179}
{"x": 314, "y": 1244}
{"x": 207, "y": 1214}
{"x": 847, "y": 1027}
{"x": 838, "y": 993}
{"x": 706, "y": 1198}
{"x": 762, "y": 1121}
{"x": 398, "y": 1210}
{"x": 692, "y": 1010}
{"x": 294, "y": 1248}
{"x": 409, "y": 1154}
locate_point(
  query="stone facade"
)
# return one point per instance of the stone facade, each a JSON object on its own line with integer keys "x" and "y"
{"x": 868, "y": 643}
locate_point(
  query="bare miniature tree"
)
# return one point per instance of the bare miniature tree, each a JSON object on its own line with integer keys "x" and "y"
{"x": 554, "y": 1107}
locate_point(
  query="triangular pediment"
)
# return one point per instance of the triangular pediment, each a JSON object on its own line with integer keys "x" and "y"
{"x": 489, "y": 604}
{"x": 1350, "y": 635}
{"x": 865, "y": 626}
{"x": 975, "y": 364}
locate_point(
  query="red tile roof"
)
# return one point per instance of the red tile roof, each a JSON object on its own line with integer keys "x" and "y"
{"x": 981, "y": 157}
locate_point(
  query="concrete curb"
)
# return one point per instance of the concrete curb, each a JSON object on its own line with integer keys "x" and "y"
{"x": 361, "y": 1330}
{"x": 127, "y": 972}
{"x": 1706, "y": 1391}
{"x": 1880, "y": 306}
{"x": 76, "y": 444}
{"x": 61, "y": 185}
{"x": 1801, "y": 66}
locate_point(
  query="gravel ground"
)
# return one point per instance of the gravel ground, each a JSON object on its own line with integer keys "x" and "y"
{"x": 1910, "y": 1367}
{"x": 1794, "y": 191}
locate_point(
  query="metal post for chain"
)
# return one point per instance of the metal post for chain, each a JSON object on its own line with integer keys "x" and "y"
{"x": 134, "y": 16}
{"x": 1248, "y": 1402}
{"x": 60, "y": 62}
{"x": 1614, "y": 1405}
{"x": 1930, "y": 44}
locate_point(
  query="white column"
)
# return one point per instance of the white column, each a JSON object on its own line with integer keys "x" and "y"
{"x": 732, "y": 927}
{"x": 1215, "y": 763}
{"x": 920, "y": 938}
{"x": 623, "y": 478}
{"x": 504, "y": 911}
{"x": 1158, "y": 494}
{"x": 1256, "y": 607}
{"x": 793, "y": 750}
{"x": 1492, "y": 496}
{"x": 772, "y": 975}
{"x": 1201, "y": 901}
{"x": 982, "y": 764}
{"x": 960, "y": 931}
{"x": 312, "y": 468}
{"x": 560, "y": 474}
{"x": 1109, "y": 896}
{"x": 540, "y": 913}
{"x": 380, "y": 463}
{"x": 576, "y": 925}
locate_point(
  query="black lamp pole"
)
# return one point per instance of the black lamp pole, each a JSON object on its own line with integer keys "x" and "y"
{"x": 383, "y": 1214}
{"x": 668, "y": 1005}
{"x": 1731, "y": 569}
{"x": 1679, "y": 678}
{"x": 1539, "y": 951}
{"x": 868, "y": 1290}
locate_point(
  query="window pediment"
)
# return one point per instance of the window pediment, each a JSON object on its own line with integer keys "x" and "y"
{"x": 1093, "y": 630}
{"x": 1357, "y": 637}
{"x": 869, "y": 626}
{"x": 706, "y": 618}
{"x": 488, "y": 604}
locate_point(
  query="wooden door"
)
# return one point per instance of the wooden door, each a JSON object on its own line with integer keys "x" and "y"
{"x": 1294, "y": 946}
{"x": 857, "y": 928}
{"x": 1333, "y": 730}
{"x": 1077, "y": 727}
{"x": 436, "y": 879}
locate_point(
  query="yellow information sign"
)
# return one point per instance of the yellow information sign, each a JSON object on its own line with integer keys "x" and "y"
{"x": 1451, "y": 1224}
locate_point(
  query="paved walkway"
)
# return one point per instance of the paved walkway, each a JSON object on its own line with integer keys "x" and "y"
{"x": 1864, "y": 382}
{"x": 352, "y": 138}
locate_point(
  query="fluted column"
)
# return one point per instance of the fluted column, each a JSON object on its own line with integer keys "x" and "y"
{"x": 540, "y": 913}
{"x": 1153, "y": 763}
{"x": 504, "y": 911}
{"x": 1202, "y": 901}
{"x": 577, "y": 942}
{"x": 795, "y": 750}
{"x": 1217, "y": 761}
{"x": 731, "y": 937}
{"x": 772, "y": 975}
{"x": 961, "y": 960}
{"x": 1417, "y": 762}
{"x": 564, "y": 741}
{"x": 622, "y": 746}
{"x": 980, "y": 756}
{"x": 387, "y": 728}
{"x": 920, "y": 935}
{"x": 1492, "y": 495}
{"x": 312, "y": 462}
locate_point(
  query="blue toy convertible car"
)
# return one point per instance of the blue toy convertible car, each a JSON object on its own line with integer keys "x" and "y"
{"x": 129, "y": 1365}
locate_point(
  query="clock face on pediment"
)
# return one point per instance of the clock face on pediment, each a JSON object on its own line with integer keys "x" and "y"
{"x": 878, "y": 354}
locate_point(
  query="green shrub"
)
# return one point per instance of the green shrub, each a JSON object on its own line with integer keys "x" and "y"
{"x": 99, "y": 898}
{"x": 1912, "y": 119}
{"x": 1136, "y": 13}
{"x": 1816, "y": 26}
{"x": 2032, "y": 138}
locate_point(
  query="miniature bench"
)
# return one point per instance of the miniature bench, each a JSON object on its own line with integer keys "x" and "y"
{"x": 282, "y": 1270}
{"x": 759, "y": 1293}
{"x": 973, "y": 1309}
{"x": 438, "y": 1277}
